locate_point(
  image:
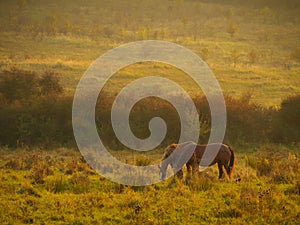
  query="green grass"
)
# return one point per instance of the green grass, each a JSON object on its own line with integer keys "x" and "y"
{"x": 24, "y": 41}
{"x": 71, "y": 193}
{"x": 70, "y": 57}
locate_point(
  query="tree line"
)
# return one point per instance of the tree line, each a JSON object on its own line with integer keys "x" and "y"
{"x": 35, "y": 111}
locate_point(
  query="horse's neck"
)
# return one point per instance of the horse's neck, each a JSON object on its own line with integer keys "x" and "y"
{"x": 165, "y": 164}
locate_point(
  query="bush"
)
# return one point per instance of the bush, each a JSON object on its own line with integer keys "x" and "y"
{"x": 246, "y": 121}
{"x": 42, "y": 116}
{"x": 49, "y": 84}
{"x": 287, "y": 121}
{"x": 18, "y": 85}
{"x": 33, "y": 111}
{"x": 26, "y": 86}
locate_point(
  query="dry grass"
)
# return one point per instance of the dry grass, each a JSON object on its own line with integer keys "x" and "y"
{"x": 61, "y": 185}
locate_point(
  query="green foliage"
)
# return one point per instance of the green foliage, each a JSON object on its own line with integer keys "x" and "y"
{"x": 95, "y": 200}
{"x": 43, "y": 118}
{"x": 247, "y": 121}
{"x": 18, "y": 85}
{"x": 49, "y": 84}
{"x": 287, "y": 120}
{"x": 290, "y": 110}
{"x": 36, "y": 35}
{"x": 24, "y": 86}
{"x": 33, "y": 112}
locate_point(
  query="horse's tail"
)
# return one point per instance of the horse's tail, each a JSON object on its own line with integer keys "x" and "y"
{"x": 231, "y": 163}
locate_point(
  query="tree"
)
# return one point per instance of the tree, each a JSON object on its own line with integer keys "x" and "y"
{"x": 18, "y": 85}
{"x": 49, "y": 84}
{"x": 23, "y": 86}
{"x": 287, "y": 121}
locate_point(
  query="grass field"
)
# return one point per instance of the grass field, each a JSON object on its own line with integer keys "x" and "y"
{"x": 254, "y": 60}
{"x": 253, "y": 50}
{"x": 57, "y": 187}
{"x": 269, "y": 82}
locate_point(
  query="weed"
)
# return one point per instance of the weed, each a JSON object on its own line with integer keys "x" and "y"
{"x": 80, "y": 182}
{"x": 142, "y": 161}
{"x": 200, "y": 184}
{"x": 56, "y": 184}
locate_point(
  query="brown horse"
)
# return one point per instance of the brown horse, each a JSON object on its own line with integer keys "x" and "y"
{"x": 225, "y": 157}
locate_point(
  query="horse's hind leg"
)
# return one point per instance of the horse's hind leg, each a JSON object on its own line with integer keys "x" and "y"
{"x": 227, "y": 169}
{"x": 220, "y": 170}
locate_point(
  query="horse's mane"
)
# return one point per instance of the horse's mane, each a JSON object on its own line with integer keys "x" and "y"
{"x": 169, "y": 150}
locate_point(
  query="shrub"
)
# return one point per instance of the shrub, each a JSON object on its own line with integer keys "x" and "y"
{"x": 33, "y": 111}
{"x": 18, "y": 85}
{"x": 49, "y": 84}
{"x": 287, "y": 121}
{"x": 246, "y": 121}
{"x": 25, "y": 86}
{"x": 42, "y": 116}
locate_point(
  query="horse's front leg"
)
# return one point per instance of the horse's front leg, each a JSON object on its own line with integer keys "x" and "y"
{"x": 195, "y": 167}
{"x": 179, "y": 174}
{"x": 189, "y": 169}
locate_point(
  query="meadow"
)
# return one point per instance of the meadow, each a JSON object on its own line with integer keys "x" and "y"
{"x": 252, "y": 48}
{"x": 58, "y": 187}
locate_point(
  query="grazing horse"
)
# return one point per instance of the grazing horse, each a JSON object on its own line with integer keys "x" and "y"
{"x": 225, "y": 157}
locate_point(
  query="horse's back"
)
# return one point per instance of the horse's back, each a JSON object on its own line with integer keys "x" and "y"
{"x": 222, "y": 152}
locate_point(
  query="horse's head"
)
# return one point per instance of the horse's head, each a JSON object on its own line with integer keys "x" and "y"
{"x": 162, "y": 170}
{"x": 164, "y": 165}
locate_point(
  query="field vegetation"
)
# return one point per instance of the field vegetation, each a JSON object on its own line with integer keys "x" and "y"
{"x": 253, "y": 48}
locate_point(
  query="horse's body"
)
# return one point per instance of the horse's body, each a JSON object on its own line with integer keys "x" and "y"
{"x": 224, "y": 158}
